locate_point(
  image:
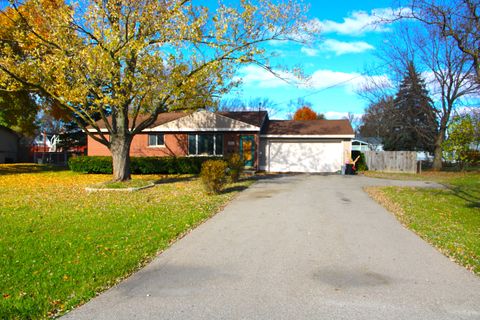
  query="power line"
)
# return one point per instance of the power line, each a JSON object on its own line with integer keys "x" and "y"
{"x": 335, "y": 84}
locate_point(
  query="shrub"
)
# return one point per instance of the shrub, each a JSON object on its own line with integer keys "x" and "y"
{"x": 361, "y": 164}
{"x": 213, "y": 175}
{"x": 235, "y": 166}
{"x": 152, "y": 165}
{"x": 140, "y": 165}
{"x": 91, "y": 164}
{"x": 472, "y": 157}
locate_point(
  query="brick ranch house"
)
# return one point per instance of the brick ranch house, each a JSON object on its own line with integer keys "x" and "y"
{"x": 270, "y": 145}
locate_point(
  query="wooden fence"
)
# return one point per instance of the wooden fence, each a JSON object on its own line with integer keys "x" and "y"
{"x": 392, "y": 161}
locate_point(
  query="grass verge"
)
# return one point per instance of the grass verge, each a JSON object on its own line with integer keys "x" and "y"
{"x": 447, "y": 218}
{"x": 60, "y": 245}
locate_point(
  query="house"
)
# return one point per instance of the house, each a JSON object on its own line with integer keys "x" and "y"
{"x": 363, "y": 144}
{"x": 359, "y": 145}
{"x": 8, "y": 145}
{"x": 44, "y": 143}
{"x": 264, "y": 144}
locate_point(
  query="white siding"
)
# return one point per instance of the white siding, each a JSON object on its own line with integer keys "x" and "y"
{"x": 304, "y": 155}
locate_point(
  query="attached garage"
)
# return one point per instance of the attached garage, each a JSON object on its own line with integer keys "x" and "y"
{"x": 305, "y": 146}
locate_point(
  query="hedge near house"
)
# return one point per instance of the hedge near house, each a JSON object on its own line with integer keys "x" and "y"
{"x": 140, "y": 165}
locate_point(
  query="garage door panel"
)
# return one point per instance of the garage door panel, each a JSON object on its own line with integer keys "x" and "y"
{"x": 295, "y": 156}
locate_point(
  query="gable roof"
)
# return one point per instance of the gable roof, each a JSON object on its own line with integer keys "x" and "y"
{"x": 206, "y": 121}
{"x": 253, "y": 118}
{"x": 309, "y": 128}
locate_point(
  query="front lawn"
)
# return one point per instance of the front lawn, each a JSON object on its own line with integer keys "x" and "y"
{"x": 447, "y": 218}
{"x": 60, "y": 245}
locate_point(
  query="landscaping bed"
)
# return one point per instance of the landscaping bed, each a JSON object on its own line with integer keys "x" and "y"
{"x": 447, "y": 218}
{"x": 61, "y": 245}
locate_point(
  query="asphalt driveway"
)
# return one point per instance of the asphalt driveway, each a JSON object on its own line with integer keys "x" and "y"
{"x": 297, "y": 247}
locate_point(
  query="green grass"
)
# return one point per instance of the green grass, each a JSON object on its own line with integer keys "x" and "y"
{"x": 60, "y": 245}
{"x": 134, "y": 183}
{"x": 447, "y": 218}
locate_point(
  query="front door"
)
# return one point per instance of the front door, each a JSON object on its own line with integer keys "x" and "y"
{"x": 247, "y": 150}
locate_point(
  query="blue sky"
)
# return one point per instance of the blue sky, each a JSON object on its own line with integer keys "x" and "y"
{"x": 347, "y": 47}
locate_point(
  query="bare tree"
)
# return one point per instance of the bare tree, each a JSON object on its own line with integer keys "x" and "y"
{"x": 458, "y": 20}
{"x": 253, "y": 104}
{"x": 449, "y": 71}
{"x": 451, "y": 81}
{"x": 377, "y": 118}
{"x": 354, "y": 120}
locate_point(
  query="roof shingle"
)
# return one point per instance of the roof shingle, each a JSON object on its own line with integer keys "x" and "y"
{"x": 254, "y": 118}
{"x": 309, "y": 127}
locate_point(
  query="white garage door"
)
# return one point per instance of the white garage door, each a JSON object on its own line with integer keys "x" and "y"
{"x": 304, "y": 156}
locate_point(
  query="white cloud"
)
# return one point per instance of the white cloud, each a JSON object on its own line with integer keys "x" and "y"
{"x": 252, "y": 75}
{"x": 360, "y": 22}
{"x": 255, "y": 76}
{"x": 352, "y": 82}
{"x": 340, "y": 47}
{"x": 341, "y": 115}
{"x": 311, "y": 52}
{"x": 321, "y": 79}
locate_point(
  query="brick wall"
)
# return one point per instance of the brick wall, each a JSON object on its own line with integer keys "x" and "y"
{"x": 175, "y": 145}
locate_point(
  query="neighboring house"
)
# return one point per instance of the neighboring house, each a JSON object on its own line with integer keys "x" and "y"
{"x": 359, "y": 145}
{"x": 367, "y": 144}
{"x": 44, "y": 143}
{"x": 8, "y": 145}
{"x": 264, "y": 144}
{"x": 52, "y": 143}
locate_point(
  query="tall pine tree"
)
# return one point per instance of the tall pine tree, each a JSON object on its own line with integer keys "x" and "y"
{"x": 413, "y": 123}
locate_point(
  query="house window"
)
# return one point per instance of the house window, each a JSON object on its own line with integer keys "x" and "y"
{"x": 156, "y": 139}
{"x": 205, "y": 144}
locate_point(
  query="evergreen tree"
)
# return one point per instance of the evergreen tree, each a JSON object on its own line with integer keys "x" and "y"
{"x": 413, "y": 123}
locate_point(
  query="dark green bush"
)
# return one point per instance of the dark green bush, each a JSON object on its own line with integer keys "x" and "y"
{"x": 213, "y": 175}
{"x": 91, "y": 164}
{"x": 235, "y": 166}
{"x": 140, "y": 165}
{"x": 361, "y": 164}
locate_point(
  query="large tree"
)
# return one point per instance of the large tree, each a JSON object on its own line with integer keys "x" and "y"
{"x": 412, "y": 125}
{"x": 126, "y": 58}
{"x": 18, "y": 110}
{"x": 452, "y": 79}
{"x": 18, "y": 105}
{"x": 458, "y": 20}
{"x": 461, "y": 138}
{"x": 450, "y": 71}
{"x": 306, "y": 113}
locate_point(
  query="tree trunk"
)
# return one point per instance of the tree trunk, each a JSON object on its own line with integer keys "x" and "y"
{"x": 438, "y": 150}
{"x": 120, "y": 149}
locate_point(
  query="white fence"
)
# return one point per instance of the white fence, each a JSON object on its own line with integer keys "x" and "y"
{"x": 392, "y": 161}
